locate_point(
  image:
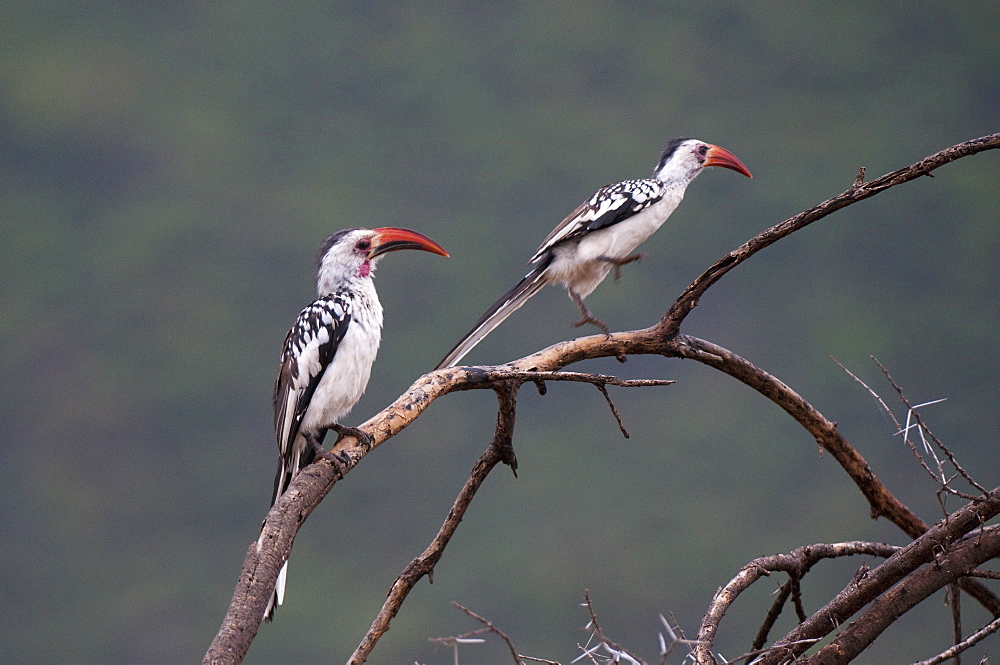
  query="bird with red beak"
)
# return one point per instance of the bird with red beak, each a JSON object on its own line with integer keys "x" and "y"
{"x": 327, "y": 357}
{"x": 601, "y": 235}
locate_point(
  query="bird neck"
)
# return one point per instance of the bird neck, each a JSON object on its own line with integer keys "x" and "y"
{"x": 327, "y": 283}
{"x": 678, "y": 174}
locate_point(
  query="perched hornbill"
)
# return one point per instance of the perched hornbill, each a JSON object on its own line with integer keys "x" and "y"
{"x": 601, "y": 234}
{"x": 327, "y": 357}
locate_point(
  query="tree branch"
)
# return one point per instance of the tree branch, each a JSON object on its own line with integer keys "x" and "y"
{"x": 308, "y": 488}
{"x": 937, "y": 547}
{"x": 796, "y": 564}
{"x": 500, "y": 450}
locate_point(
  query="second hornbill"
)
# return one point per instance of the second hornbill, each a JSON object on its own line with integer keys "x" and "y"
{"x": 601, "y": 235}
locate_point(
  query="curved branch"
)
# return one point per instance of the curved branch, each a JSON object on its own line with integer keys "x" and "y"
{"x": 883, "y": 612}
{"x": 671, "y": 321}
{"x": 796, "y": 563}
{"x": 261, "y": 566}
{"x": 943, "y": 546}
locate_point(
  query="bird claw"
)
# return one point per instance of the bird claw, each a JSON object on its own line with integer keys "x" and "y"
{"x": 340, "y": 461}
{"x": 364, "y": 438}
{"x": 597, "y": 322}
{"x": 588, "y": 316}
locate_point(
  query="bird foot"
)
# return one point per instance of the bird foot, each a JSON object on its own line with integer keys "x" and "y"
{"x": 340, "y": 461}
{"x": 618, "y": 263}
{"x": 597, "y": 322}
{"x": 364, "y": 438}
{"x": 588, "y": 316}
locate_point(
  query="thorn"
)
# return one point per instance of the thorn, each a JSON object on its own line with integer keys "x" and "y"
{"x": 860, "y": 179}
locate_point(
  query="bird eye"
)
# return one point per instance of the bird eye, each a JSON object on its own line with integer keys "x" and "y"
{"x": 364, "y": 244}
{"x": 703, "y": 150}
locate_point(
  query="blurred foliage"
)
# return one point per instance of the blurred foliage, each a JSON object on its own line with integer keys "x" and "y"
{"x": 167, "y": 170}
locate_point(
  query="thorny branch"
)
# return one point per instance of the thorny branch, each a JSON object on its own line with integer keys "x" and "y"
{"x": 911, "y": 412}
{"x": 910, "y": 575}
{"x": 260, "y": 568}
{"x": 616, "y": 650}
{"x": 490, "y": 628}
{"x": 796, "y": 564}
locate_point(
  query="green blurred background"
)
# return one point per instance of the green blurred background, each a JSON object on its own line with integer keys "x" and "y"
{"x": 168, "y": 169}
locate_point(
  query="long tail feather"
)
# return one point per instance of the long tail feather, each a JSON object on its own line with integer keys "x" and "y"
{"x": 508, "y": 303}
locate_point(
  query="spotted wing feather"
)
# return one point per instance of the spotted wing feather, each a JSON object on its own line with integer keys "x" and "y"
{"x": 608, "y": 206}
{"x": 308, "y": 350}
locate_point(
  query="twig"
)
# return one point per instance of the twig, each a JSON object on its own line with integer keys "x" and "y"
{"x": 971, "y": 640}
{"x": 613, "y": 647}
{"x": 954, "y": 599}
{"x": 924, "y": 429}
{"x": 938, "y": 477}
{"x": 985, "y": 574}
{"x": 493, "y": 629}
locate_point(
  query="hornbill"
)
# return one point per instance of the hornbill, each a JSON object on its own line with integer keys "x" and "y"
{"x": 601, "y": 234}
{"x": 327, "y": 357}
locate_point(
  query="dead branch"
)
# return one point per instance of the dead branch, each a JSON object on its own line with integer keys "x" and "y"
{"x": 256, "y": 581}
{"x": 500, "y": 450}
{"x": 883, "y": 503}
{"x": 671, "y": 321}
{"x": 912, "y": 412}
{"x": 971, "y": 640}
{"x": 796, "y": 564}
{"x": 493, "y": 629}
{"x": 929, "y": 563}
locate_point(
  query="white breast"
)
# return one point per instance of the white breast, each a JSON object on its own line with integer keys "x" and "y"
{"x": 346, "y": 378}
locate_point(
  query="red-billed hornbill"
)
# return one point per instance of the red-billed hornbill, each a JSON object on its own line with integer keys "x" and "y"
{"x": 327, "y": 357}
{"x": 601, "y": 234}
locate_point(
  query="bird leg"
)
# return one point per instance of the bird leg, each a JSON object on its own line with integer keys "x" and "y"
{"x": 618, "y": 263}
{"x": 588, "y": 316}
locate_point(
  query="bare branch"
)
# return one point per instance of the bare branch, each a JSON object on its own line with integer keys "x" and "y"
{"x": 315, "y": 481}
{"x": 493, "y": 629}
{"x": 888, "y": 592}
{"x": 594, "y": 627}
{"x": 911, "y": 591}
{"x": 911, "y": 412}
{"x": 971, "y": 640}
{"x": 925, "y": 430}
{"x": 671, "y": 321}
{"x": 796, "y": 563}
{"x": 500, "y": 450}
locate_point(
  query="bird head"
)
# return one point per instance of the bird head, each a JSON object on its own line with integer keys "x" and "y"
{"x": 352, "y": 253}
{"x": 684, "y": 159}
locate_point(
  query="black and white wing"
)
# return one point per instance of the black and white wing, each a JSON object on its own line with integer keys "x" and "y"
{"x": 608, "y": 206}
{"x": 308, "y": 350}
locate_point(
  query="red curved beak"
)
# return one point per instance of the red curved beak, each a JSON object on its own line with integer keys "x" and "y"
{"x": 721, "y": 157}
{"x": 390, "y": 239}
